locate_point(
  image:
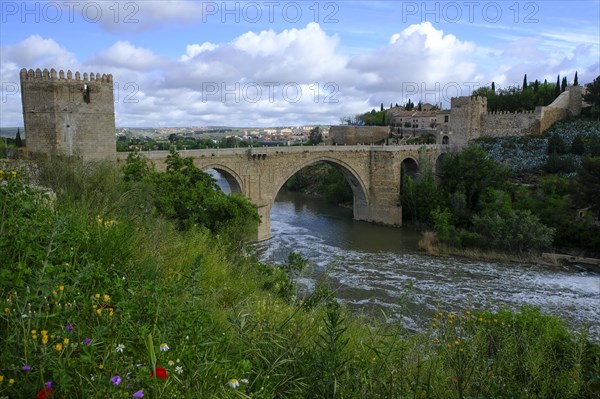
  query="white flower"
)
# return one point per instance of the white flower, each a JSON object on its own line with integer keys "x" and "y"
{"x": 234, "y": 383}
{"x": 170, "y": 363}
{"x": 179, "y": 370}
{"x": 244, "y": 380}
{"x": 164, "y": 347}
{"x": 120, "y": 348}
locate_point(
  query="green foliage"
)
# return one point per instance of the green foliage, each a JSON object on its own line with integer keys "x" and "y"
{"x": 471, "y": 172}
{"x": 192, "y": 198}
{"x": 315, "y": 136}
{"x": 323, "y": 180}
{"x": 124, "y": 293}
{"x": 556, "y": 145}
{"x": 421, "y": 196}
{"x": 517, "y": 99}
{"x": 18, "y": 141}
{"x": 578, "y": 146}
{"x": 137, "y": 167}
{"x": 588, "y": 179}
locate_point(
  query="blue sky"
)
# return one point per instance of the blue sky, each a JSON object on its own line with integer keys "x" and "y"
{"x": 285, "y": 63}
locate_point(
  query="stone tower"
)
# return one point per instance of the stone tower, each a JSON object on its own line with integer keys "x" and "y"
{"x": 465, "y": 118}
{"x": 68, "y": 115}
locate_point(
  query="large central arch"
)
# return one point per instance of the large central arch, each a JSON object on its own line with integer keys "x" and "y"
{"x": 359, "y": 189}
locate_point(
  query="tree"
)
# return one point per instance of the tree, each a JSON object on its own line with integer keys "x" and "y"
{"x": 557, "y": 87}
{"x": 576, "y": 80}
{"x": 578, "y": 145}
{"x": 471, "y": 172}
{"x": 563, "y": 85}
{"x": 137, "y": 167}
{"x": 592, "y": 95}
{"x": 493, "y": 87}
{"x": 18, "y": 141}
{"x": 315, "y": 136}
{"x": 588, "y": 179}
{"x": 525, "y": 82}
{"x": 556, "y": 145}
{"x": 381, "y": 109}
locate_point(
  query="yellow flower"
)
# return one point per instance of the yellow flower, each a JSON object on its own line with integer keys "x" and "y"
{"x": 97, "y": 296}
{"x": 451, "y": 316}
{"x": 99, "y": 311}
{"x": 13, "y": 173}
{"x": 44, "y": 333}
{"x": 1, "y": 376}
{"x": 106, "y": 298}
{"x": 457, "y": 342}
{"x": 34, "y": 336}
{"x": 66, "y": 341}
{"x": 110, "y": 313}
{"x": 11, "y": 381}
{"x": 101, "y": 366}
{"x": 61, "y": 287}
{"x": 33, "y": 332}
{"x": 58, "y": 346}
{"x": 6, "y": 310}
{"x": 44, "y": 339}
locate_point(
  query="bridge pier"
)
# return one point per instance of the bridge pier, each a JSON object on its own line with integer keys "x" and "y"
{"x": 264, "y": 227}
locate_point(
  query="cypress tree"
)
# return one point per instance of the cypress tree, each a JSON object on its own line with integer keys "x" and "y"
{"x": 493, "y": 87}
{"x": 563, "y": 86}
{"x": 557, "y": 87}
{"x": 575, "y": 81}
{"x": 18, "y": 141}
{"x": 381, "y": 107}
{"x": 525, "y": 82}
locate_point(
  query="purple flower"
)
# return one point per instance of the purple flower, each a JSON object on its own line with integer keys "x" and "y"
{"x": 87, "y": 341}
{"x": 69, "y": 327}
{"x": 48, "y": 384}
{"x": 26, "y": 367}
{"x": 139, "y": 394}
{"x": 116, "y": 380}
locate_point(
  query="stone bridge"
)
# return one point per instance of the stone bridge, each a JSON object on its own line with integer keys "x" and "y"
{"x": 373, "y": 172}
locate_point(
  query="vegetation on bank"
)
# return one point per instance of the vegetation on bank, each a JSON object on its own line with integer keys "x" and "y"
{"x": 515, "y": 194}
{"x": 322, "y": 180}
{"x": 109, "y": 290}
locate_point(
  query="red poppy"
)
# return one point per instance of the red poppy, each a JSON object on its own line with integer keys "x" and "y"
{"x": 160, "y": 372}
{"x": 44, "y": 393}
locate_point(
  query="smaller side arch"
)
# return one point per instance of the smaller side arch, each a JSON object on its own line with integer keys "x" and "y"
{"x": 409, "y": 167}
{"x": 233, "y": 179}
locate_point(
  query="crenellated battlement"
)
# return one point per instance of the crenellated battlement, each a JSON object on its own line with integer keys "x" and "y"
{"x": 39, "y": 75}
{"x": 510, "y": 113}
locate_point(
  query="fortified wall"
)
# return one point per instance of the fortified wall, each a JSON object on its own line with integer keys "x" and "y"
{"x": 69, "y": 115}
{"x": 353, "y": 135}
{"x": 469, "y": 119}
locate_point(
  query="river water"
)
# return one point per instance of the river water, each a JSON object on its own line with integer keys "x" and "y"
{"x": 377, "y": 268}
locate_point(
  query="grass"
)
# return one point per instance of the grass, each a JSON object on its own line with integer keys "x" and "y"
{"x": 102, "y": 298}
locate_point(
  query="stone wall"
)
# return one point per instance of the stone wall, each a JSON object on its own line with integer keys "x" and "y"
{"x": 499, "y": 124}
{"x": 352, "y": 135}
{"x": 69, "y": 115}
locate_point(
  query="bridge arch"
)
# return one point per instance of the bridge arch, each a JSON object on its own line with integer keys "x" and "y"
{"x": 409, "y": 167}
{"x": 358, "y": 186}
{"x": 233, "y": 179}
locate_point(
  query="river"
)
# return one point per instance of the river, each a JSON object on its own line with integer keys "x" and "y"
{"x": 374, "y": 268}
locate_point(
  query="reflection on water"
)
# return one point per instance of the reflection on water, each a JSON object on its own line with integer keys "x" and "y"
{"x": 375, "y": 267}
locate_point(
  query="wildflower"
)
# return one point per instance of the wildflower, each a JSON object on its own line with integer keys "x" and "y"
{"x": 58, "y": 346}
{"x": 1, "y": 378}
{"x": 139, "y": 394}
{"x": 97, "y": 296}
{"x": 106, "y": 298}
{"x": 457, "y": 342}
{"x": 11, "y": 381}
{"x": 179, "y": 370}
{"x": 164, "y": 347}
{"x": 87, "y": 341}
{"x": 44, "y": 339}
{"x": 69, "y": 327}
{"x": 160, "y": 373}
{"x": 171, "y": 363}
{"x": 66, "y": 341}
{"x": 33, "y": 332}
{"x": 99, "y": 311}
{"x": 6, "y": 310}
{"x": 120, "y": 348}
{"x": 45, "y": 392}
{"x": 245, "y": 380}
{"x": 233, "y": 383}
{"x": 61, "y": 287}
{"x": 116, "y": 380}
{"x": 26, "y": 367}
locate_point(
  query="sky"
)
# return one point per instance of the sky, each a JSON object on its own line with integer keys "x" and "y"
{"x": 292, "y": 63}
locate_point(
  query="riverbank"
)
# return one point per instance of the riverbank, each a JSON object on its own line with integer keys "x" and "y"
{"x": 430, "y": 244}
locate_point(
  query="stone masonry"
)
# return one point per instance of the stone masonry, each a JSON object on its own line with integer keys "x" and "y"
{"x": 68, "y": 115}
